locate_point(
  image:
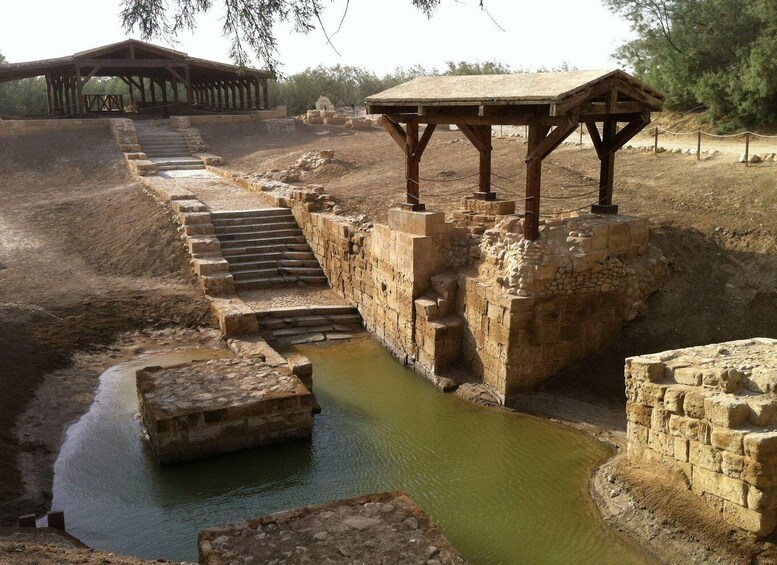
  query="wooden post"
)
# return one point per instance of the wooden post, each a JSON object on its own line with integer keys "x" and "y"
{"x": 219, "y": 96}
{"x": 531, "y": 219}
{"x": 484, "y": 185}
{"x": 606, "y": 170}
{"x": 413, "y": 199}
{"x": 142, "y": 81}
{"x": 698, "y": 145}
{"x": 233, "y": 91}
{"x": 581, "y": 136}
{"x": 49, "y": 102}
{"x": 265, "y": 95}
{"x": 79, "y": 90}
{"x": 189, "y": 94}
{"x": 747, "y": 149}
{"x": 152, "y": 87}
{"x": 655, "y": 141}
{"x": 242, "y": 94}
{"x": 56, "y": 519}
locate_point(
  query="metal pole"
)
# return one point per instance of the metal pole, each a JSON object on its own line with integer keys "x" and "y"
{"x": 655, "y": 142}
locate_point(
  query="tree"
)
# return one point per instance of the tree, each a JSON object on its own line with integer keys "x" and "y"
{"x": 249, "y": 24}
{"x": 720, "y": 55}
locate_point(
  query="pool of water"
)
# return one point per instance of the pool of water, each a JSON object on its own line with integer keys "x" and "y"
{"x": 505, "y": 488}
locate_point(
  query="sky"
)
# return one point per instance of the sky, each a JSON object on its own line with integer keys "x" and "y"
{"x": 376, "y": 34}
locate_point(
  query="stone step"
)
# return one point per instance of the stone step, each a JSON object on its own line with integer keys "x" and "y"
{"x": 308, "y": 321}
{"x": 296, "y": 311}
{"x": 256, "y": 227}
{"x": 241, "y": 214}
{"x": 259, "y": 235}
{"x": 279, "y": 280}
{"x": 149, "y": 149}
{"x": 261, "y": 242}
{"x": 278, "y": 258}
{"x": 238, "y": 263}
{"x": 245, "y": 274}
{"x": 263, "y": 249}
{"x": 167, "y": 154}
{"x": 253, "y": 221}
{"x": 180, "y": 167}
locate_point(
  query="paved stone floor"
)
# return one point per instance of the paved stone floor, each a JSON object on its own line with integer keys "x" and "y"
{"x": 262, "y": 300}
{"x": 217, "y": 193}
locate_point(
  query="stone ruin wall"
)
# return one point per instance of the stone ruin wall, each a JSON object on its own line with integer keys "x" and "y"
{"x": 473, "y": 292}
{"x": 711, "y": 413}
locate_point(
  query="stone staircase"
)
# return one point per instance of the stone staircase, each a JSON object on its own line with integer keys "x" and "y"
{"x": 265, "y": 248}
{"x": 166, "y": 147}
{"x": 308, "y": 324}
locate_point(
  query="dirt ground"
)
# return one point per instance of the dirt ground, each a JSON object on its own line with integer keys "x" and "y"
{"x": 85, "y": 256}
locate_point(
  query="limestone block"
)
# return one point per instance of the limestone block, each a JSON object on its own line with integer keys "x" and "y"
{"x": 726, "y": 411}
{"x": 694, "y": 403}
{"x": 661, "y": 443}
{"x": 194, "y": 218}
{"x": 427, "y": 308}
{"x": 200, "y": 245}
{"x": 643, "y": 369}
{"x": 188, "y": 206}
{"x": 445, "y": 284}
{"x": 209, "y": 266}
{"x": 687, "y": 376}
{"x": 763, "y": 411}
{"x": 135, "y": 155}
{"x": 217, "y": 284}
{"x": 638, "y": 414}
{"x": 732, "y": 465}
{"x": 302, "y": 368}
{"x": 717, "y": 484}
{"x": 489, "y": 207}
{"x": 761, "y": 446}
{"x": 728, "y": 440}
{"x": 234, "y": 316}
{"x": 681, "y": 449}
{"x": 198, "y": 229}
{"x": 760, "y": 523}
{"x": 704, "y": 456}
{"x": 659, "y": 420}
{"x": 651, "y": 394}
{"x": 209, "y": 159}
{"x": 673, "y": 399}
{"x": 424, "y": 222}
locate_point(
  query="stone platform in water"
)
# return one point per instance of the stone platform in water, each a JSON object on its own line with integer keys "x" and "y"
{"x": 220, "y": 405}
{"x": 378, "y": 528}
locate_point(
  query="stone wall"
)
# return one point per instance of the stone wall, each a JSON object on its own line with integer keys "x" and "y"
{"x": 277, "y": 112}
{"x": 472, "y": 292}
{"x": 711, "y": 412}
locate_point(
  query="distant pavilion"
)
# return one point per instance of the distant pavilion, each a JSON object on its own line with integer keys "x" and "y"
{"x": 147, "y": 70}
{"x": 552, "y": 105}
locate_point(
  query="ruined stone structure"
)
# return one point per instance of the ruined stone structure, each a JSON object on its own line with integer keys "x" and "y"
{"x": 208, "y": 407}
{"x": 511, "y": 311}
{"x": 711, "y": 412}
{"x": 390, "y": 525}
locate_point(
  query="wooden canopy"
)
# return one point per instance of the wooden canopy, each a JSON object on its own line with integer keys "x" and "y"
{"x": 208, "y": 84}
{"x": 552, "y": 105}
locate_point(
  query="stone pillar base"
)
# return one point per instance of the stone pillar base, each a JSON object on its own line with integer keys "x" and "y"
{"x": 421, "y": 222}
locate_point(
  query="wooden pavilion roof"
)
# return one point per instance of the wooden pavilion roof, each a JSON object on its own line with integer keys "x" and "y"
{"x": 516, "y": 96}
{"x": 129, "y": 57}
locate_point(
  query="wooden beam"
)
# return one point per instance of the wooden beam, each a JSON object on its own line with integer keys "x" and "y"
{"x": 593, "y": 131}
{"x": 413, "y": 198}
{"x": 133, "y": 64}
{"x": 516, "y": 120}
{"x": 531, "y": 221}
{"x": 49, "y": 105}
{"x": 473, "y": 136}
{"x": 175, "y": 74}
{"x": 606, "y": 169}
{"x": 631, "y": 129}
{"x": 395, "y": 131}
{"x": 427, "y": 135}
{"x": 564, "y": 106}
{"x": 90, "y": 75}
{"x": 551, "y": 141}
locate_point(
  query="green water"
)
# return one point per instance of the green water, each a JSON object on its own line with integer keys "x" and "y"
{"x": 505, "y": 488}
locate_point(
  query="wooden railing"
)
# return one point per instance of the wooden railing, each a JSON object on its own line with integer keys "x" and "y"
{"x": 103, "y": 102}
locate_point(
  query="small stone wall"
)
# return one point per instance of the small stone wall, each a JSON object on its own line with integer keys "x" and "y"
{"x": 216, "y": 406}
{"x": 258, "y": 115}
{"x": 377, "y": 528}
{"x": 711, "y": 412}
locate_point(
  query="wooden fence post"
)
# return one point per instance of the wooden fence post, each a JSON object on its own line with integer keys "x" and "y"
{"x": 655, "y": 141}
{"x": 698, "y": 145}
{"x": 747, "y": 148}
